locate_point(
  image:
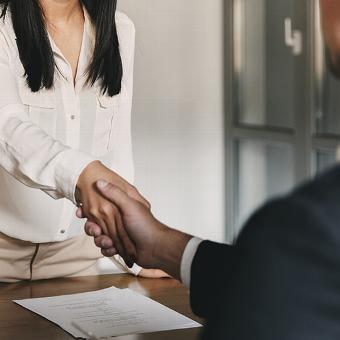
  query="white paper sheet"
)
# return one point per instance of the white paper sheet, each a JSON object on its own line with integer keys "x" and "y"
{"x": 107, "y": 313}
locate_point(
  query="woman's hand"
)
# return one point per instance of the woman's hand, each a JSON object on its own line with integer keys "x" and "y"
{"x": 93, "y": 173}
{"x": 105, "y": 214}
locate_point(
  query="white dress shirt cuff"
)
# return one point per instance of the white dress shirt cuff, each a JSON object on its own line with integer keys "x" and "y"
{"x": 187, "y": 258}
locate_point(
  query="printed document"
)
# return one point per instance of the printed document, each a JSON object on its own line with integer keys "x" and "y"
{"x": 106, "y": 313}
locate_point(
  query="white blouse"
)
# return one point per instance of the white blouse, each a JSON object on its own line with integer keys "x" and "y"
{"x": 47, "y": 138}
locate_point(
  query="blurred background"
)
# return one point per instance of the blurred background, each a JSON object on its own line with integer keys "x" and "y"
{"x": 233, "y": 105}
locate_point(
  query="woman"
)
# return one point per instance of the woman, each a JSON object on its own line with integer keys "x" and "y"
{"x": 66, "y": 72}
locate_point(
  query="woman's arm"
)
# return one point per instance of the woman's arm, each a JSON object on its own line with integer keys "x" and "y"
{"x": 38, "y": 160}
{"x": 26, "y": 151}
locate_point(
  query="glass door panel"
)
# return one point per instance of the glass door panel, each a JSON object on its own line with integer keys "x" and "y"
{"x": 263, "y": 170}
{"x": 267, "y": 43}
{"x": 323, "y": 159}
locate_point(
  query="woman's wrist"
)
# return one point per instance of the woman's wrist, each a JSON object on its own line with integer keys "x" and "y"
{"x": 88, "y": 178}
{"x": 84, "y": 182}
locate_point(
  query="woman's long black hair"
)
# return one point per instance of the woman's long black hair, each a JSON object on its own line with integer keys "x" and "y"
{"x": 36, "y": 53}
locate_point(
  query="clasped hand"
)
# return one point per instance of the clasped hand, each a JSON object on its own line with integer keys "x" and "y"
{"x": 103, "y": 213}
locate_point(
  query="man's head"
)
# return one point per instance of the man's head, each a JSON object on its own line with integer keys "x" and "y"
{"x": 330, "y": 20}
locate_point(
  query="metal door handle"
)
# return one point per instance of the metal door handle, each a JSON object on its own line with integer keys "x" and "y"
{"x": 293, "y": 38}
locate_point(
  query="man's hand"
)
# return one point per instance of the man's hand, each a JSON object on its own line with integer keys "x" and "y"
{"x": 157, "y": 246}
{"x": 142, "y": 228}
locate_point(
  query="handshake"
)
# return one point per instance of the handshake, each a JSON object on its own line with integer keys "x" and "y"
{"x": 120, "y": 221}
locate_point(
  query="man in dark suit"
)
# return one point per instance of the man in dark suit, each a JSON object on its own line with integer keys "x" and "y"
{"x": 281, "y": 280}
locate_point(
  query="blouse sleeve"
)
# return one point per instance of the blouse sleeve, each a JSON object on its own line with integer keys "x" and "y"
{"x": 122, "y": 150}
{"x": 26, "y": 151}
{"x": 126, "y": 36}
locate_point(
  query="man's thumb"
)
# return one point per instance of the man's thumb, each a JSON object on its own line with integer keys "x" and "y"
{"x": 113, "y": 193}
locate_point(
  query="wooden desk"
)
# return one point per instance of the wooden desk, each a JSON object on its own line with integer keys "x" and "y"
{"x": 17, "y": 323}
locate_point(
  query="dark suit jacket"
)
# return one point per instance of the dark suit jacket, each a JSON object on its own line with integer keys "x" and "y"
{"x": 281, "y": 280}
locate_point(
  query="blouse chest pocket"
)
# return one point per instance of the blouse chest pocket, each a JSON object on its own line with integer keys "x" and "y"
{"x": 41, "y": 107}
{"x": 108, "y": 109}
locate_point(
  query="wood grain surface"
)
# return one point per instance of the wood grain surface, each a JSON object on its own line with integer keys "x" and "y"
{"x": 17, "y": 323}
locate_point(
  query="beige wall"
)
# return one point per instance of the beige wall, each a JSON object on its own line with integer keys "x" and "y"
{"x": 178, "y": 111}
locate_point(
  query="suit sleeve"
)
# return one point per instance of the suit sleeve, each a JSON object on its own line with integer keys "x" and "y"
{"x": 285, "y": 281}
{"x": 210, "y": 269}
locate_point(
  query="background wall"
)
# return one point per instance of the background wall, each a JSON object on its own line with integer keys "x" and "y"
{"x": 178, "y": 133}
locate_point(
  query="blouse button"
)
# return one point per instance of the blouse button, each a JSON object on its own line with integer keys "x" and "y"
{"x": 73, "y": 117}
{"x": 62, "y": 231}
